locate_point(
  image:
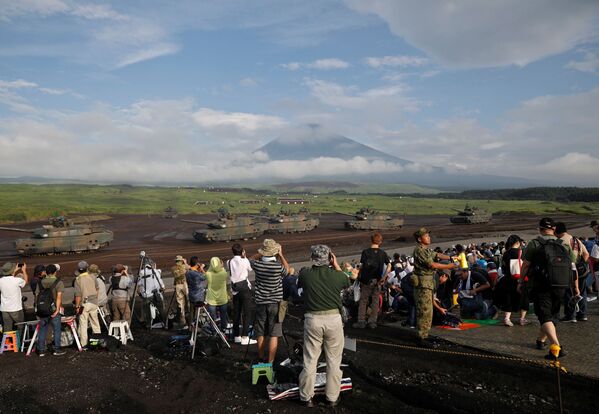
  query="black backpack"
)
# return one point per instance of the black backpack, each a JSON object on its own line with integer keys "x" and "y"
{"x": 115, "y": 282}
{"x": 582, "y": 267}
{"x": 555, "y": 265}
{"x": 45, "y": 302}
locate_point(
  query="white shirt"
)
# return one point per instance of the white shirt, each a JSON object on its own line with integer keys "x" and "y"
{"x": 595, "y": 251}
{"x": 239, "y": 268}
{"x": 10, "y": 287}
{"x": 149, "y": 282}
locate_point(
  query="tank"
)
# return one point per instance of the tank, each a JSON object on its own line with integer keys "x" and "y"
{"x": 287, "y": 222}
{"x": 369, "y": 219}
{"x": 228, "y": 227}
{"x": 170, "y": 213}
{"x": 62, "y": 235}
{"x": 470, "y": 215}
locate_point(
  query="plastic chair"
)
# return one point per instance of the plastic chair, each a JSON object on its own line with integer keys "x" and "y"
{"x": 121, "y": 331}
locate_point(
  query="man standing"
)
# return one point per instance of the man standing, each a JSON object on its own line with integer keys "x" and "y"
{"x": 270, "y": 267}
{"x": 150, "y": 287}
{"x": 548, "y": 264}
{"x": 374, "y": 266}
{"x": 323, "y": 327}
{"x": 55, "y": 287}
{"x": 181, "y": 290}
{"x": 120, "y": 282}
{"x": 86, "y": 302}
{"x": 11, "y": 304}
{"x": 423, "y": 280}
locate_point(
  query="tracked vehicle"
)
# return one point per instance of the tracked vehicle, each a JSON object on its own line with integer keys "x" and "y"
{"x": 369, "y": 219}
{"x": 471, "y": 215}
{"x": 287, "y": 222}
{"x": 228, "y": 227}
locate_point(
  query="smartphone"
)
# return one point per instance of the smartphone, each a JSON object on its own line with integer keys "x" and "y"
{"x": 19, "y": 265}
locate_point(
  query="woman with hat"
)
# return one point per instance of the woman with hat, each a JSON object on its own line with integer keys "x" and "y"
{"x": 507, "y": 297}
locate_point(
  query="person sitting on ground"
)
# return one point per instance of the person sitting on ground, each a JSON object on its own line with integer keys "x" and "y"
{"x": 11, "y": 302}
{"x": 150, "y": 287}
{"x": 56, "y": 288}
{"x": 471, "y": 298}
{"x": 270, "y": 267}
{"x": 461, "y": 256}
{"x": 94, "y": 270}
{"x": 240, "y": 268}
{"x": 442, "y": 300}
{"x": 216, "y": 295}
{"x": 323, "y": 327}
{"x": 86, "y": 302}
{"x": 120, "y": 282}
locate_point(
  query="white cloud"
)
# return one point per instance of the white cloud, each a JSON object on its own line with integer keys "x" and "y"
{"x": 152, "y": 52}
{"x": 473, "y": 33}
{"x": 249, "y": 82}
{"x": 589, "y": 63}
{"x": 243, "y": 122}
{"x": 402, "y": 61}
{"x": 320, "y": 64}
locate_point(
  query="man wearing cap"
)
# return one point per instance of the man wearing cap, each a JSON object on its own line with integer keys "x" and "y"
{"x": 323, "y": 328}
{"x": 547, "y": 299}
{"x": 181, "y": 290}
{"x": 579, "y": 287}
{"x": 270, "y": 267}
{"x": 120, "y": 282}
{"x": 425, "y": 264}
{"x": 11, "y": 304}
{"x": 86, "y": 302}
{"x": 96, "y": 273}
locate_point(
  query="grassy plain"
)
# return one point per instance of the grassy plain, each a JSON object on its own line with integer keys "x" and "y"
{"x": 26, "y": 202}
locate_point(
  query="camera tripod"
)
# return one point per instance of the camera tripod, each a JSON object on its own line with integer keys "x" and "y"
{"x": 194, "y": 332}
{"x": 145, "y": 262}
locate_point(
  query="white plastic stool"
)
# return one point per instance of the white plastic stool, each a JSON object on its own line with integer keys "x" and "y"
{"x": 120, "y": 330}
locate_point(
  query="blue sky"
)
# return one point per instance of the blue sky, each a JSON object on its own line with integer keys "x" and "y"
{"x": 187, "y": 90}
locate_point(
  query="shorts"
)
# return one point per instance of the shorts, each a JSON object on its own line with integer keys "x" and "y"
{"x": 547, "y": 303}
{"x": 267, "y": 321}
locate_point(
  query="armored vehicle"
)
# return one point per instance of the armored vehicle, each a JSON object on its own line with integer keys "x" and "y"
{"x": 369, "y": 219}
{"x": 471, "y": 215}
{"x": 287, "y": 222}
{"x": 170, "y": 213}
{"x": 62, "y": 235}
{"x": 228, "y": 227}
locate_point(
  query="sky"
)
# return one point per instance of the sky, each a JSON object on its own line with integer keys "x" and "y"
{"x": 186, "y": 91}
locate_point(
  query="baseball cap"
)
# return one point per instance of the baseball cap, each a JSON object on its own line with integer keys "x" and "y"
{"x": 546, "y": 223}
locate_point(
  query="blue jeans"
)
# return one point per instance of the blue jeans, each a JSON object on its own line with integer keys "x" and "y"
{"x": 476, "y": 307}
{"x": 41, "y": 338}
{"x": 224, "y": 320}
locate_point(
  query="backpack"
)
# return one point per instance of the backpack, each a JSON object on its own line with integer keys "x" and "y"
{"x": 555, "y": 265}
{"x": 45, "y": 302}
{"x": 115, "y": 282}
{"x": 371, "y": 266}
{"x": 582, "y": 267}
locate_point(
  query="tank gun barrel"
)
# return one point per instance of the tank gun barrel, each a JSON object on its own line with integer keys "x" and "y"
{"x": 194, "y": 221}
{"x": 14, "y": 229}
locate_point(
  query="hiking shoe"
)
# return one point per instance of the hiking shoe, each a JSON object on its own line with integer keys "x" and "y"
{"x": 583, "y": 319}
{"x": 550, "y": 356}
{"x": 372, "y": 325}
{"x": 507, "y": 322}
{"x": 569, "y": 320}
{"x": 541, "y": 344}
{"x": 58, "y": 352}
{"x": 359, "y": 325}
{"x": 524, "y": 321}
{"x": 309, "y": 403}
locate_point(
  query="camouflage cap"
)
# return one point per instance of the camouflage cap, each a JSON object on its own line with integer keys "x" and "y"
{"x": 320, "y": 255}
{"x": 421, "y": 232}
{"x": 179, "y": 258}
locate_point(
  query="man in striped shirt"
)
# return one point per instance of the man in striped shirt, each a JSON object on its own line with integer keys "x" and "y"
{"x": 270, "y": 267}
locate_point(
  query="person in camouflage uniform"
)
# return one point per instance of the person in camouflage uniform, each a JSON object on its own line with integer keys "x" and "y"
{"x": 425, "y": 264}
{"x": 181, "y": 289}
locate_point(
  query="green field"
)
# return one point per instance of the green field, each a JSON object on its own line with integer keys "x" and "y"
{"x": 26, "y": 202}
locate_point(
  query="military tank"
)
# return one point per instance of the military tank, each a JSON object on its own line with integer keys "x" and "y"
{"x": 62, "y": 235}
{"x": 286, "y": 221}
{"x": 170, "y": 213}
{"x": 228, "y": 227}
{"x": 470, "y": 215}
{"x": 369, "y": 219}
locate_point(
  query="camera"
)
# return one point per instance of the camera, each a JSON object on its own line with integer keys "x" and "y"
{"x": 20, "y": 264}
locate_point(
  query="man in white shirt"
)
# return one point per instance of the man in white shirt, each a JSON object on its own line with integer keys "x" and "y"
{"x": 150, "y": 287}
{"x": 11, "y": 304}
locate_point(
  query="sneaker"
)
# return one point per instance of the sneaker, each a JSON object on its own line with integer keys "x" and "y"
{"x": 248, "y": 341}
{"x": 157, "y": 325}
{"x": 58, "y": 352}
{"x": 583, "y": 318}
{"x": 541, "y": 344}
{"x": 569, "y": 320}
{"x": 42, "y": 354}
{"x": 507, "y": 322}
{"x": 237, "y": 339}
{"x": 371, "y": 325}
{"x": 524, "y": 321}
{"x": 359, "y": 325}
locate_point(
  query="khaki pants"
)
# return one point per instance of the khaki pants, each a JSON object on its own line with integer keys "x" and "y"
{"x": 182, "y": 294}
{"x": 322, "y": 331}
{"x": 121, "y": 310}
{"x": 89, "y": 314}
{"x": 369, "y": 291}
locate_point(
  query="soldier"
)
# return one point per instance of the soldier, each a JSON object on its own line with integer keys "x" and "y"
{"x": 423, "y": 280}
{"x": 181, "y": 289}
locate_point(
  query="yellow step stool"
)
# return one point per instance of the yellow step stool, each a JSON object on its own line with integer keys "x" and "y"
{"x": 262, "y": 370}
{"x": 10, "y": 342}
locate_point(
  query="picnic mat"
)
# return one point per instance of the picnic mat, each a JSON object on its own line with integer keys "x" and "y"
{"x": 464, "y": 326}
{"x": 487, "y": 322}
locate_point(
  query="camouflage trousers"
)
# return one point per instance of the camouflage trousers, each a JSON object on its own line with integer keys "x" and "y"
{"x": 424, "y": 310}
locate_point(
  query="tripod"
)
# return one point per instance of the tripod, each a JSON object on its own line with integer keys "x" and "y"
{"x": 196, "y": 327}
{"x": 146, "y": 262}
